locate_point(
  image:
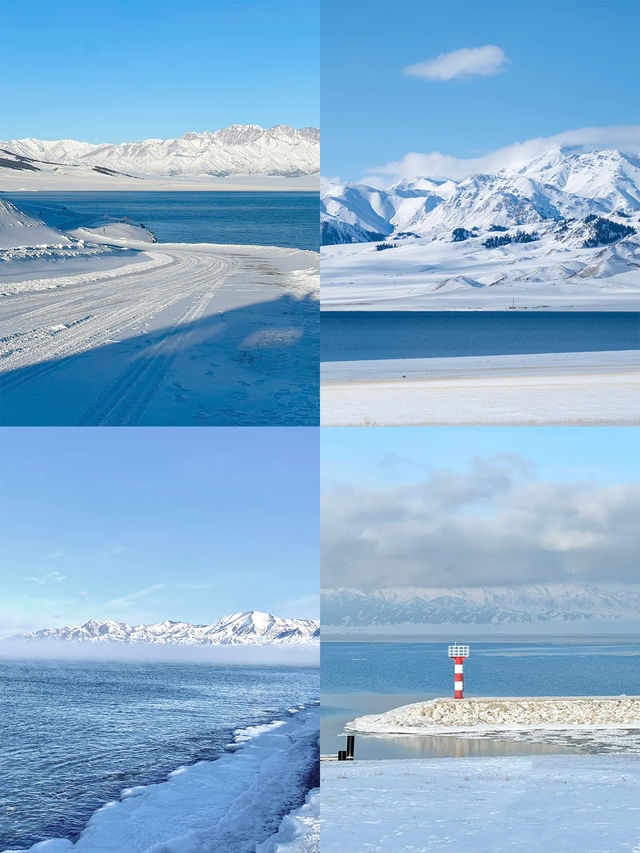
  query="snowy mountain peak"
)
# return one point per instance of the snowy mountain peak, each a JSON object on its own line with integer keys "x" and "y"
{"x": 235, "y": 150}
{"x": 562, "y": 183}
{"x": 251, "y": 627}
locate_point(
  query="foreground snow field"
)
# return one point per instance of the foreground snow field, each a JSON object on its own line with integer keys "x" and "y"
{"x": 248, "y": 798}
{"x": 572, "y": 803}
{"x": 548, "y": 388}
{"x": 104, "y": 327}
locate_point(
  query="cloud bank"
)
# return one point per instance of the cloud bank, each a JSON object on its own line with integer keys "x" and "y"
{"x": 496, "y": 523}
{"x": 466, "y": 62}
{"x": 625, "y": 138}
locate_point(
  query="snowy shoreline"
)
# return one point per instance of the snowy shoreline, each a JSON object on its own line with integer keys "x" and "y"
{"x": 548, "y": 388}
{"x": 254, "y": 794}
{"x": 450, "y": 716}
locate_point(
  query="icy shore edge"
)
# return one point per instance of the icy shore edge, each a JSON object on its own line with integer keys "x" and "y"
{"x": 251, "y": 795}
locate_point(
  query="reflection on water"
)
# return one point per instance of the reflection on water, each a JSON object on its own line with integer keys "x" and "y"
{"x": 337, "y": 710}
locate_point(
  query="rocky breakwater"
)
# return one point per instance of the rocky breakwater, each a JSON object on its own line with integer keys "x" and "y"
{"x": 441, "y": 715}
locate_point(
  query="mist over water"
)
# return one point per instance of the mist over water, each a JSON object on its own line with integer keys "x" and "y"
{"x": 239, "y": 655}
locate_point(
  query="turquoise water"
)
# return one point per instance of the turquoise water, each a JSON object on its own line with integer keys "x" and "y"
{"x": 74, "y": 734}
{"x": 259, "y": 218}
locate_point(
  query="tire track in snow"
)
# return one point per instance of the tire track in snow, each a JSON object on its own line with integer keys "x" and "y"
{"x": 150, "y": 297}
{"x": 126, "y": 399}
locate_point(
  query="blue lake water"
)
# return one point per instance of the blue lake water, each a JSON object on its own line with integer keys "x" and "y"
{"x": 370, "y": 678}
{"x": 74, "y": 734}
{"x": 288, "y": 219}
{"x": 363, "y": 335}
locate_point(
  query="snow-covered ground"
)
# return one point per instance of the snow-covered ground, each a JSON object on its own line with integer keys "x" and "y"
{"x": 548, "y": 388}
{"x": 425, "y": 274}
{"x": 437, "y": 716}
{"x": 299, "y": 831}
{"x": 246, "y": 800}
{"x": 101, "y": 326}
{"x": 564, "y": 803}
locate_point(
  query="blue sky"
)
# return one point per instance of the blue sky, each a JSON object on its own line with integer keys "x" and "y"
{"x": 570, "y": 65}
{"x": 141, "y": 525}
{"x": 388, "y": 456}
{"x": 119, "y": 70}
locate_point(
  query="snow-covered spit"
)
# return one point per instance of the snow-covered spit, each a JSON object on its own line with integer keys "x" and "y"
{"x": 251, "y": 627}
{"x": 249, "y": 156}
{"x": 251, "y": 798}
{"x": 437, "y": 716}
{"x": 567, "y": 803}
{"x": 102, "y": 325}
{"x": 558, "y": 231}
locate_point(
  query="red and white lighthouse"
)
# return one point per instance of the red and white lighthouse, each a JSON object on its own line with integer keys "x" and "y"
{"x": 458, "y": 653}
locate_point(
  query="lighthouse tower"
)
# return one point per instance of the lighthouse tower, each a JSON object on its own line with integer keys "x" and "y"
{"x": 458, "y": 653}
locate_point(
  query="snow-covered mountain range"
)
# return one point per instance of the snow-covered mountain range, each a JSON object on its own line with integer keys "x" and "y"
{"x": 235, "y": 150}
{"x": 252, "y": 627}
{"x": 558, "y": 227}
{"x": 499, "y": 605}
{"x": 565, "y": 183}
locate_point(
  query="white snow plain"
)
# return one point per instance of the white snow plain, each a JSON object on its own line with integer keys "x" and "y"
{"x": 592, "y": 388}
{"x": 246, "y": 800}
{"x": 101, "y": 326}
{"x": 564, "y": 803}
{"x": 438, "y": 275}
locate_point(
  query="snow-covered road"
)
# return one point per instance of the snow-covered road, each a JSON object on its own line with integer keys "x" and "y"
{"x": 177, "y": 334}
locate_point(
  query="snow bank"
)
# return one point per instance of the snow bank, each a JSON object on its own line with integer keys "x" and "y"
{"x": 585, "y": 803}
{"x": 20, "y": 229}
{"x": 299, "y": 831}
{"x": 447, "y": 715}
{"x": 230, "y": 804}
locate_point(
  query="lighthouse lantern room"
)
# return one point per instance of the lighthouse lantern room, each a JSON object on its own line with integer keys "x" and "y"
{"x": 458, "y": 653}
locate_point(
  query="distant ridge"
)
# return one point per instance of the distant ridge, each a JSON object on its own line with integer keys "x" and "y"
{"x": 499, "y": 605}
{"x": 235, "y": 150}
{"x": 564, "y": 184}
{"x": 251, "y": 627}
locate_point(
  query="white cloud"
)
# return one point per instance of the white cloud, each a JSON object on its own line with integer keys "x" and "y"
{"x": 466, "y": 62}
{"x": 126, "y": 600}
{"x": 435, "y": 164}
{"x": 49, "y": 577}
{"x": 496, "y": 523}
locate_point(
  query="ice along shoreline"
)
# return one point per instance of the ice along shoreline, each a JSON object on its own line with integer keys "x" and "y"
{"x": 260, "y": 790}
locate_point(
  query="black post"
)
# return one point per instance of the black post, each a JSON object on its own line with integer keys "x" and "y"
{"x": 342, "y": 755}
{"x": 351, "y": 743}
